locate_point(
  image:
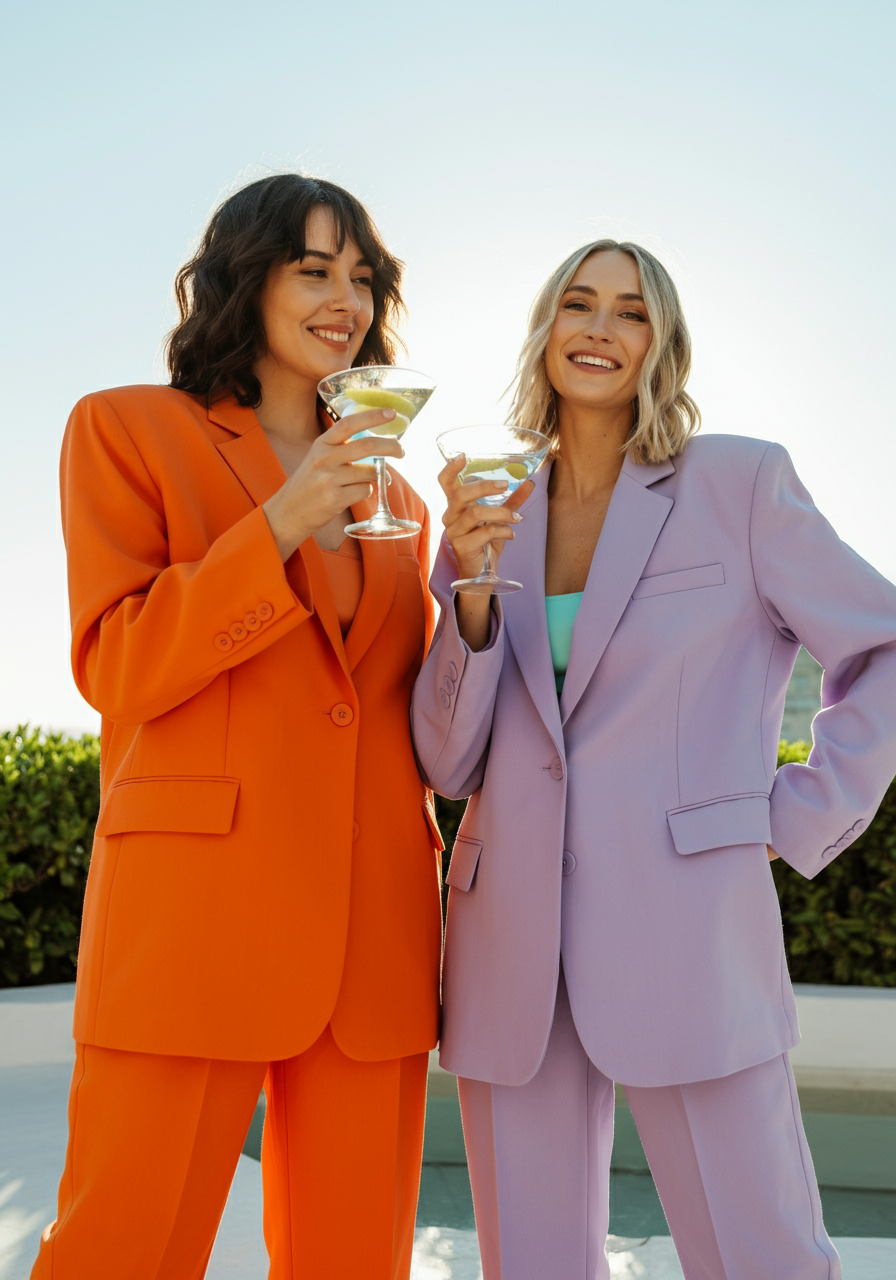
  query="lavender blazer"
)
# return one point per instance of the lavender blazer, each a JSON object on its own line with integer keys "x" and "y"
{"x": 625, "y": 825}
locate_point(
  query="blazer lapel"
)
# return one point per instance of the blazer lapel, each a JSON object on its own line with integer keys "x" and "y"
{"x": 248, "y": 454}
{"x": 633, "y": 523}
{"x": 380, "y": 560}
{"x": 321, "y": 596}
{"x": 525, "y": 620}
{"x": 256, "y": 465}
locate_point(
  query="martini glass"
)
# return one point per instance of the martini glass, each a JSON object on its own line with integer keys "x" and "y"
{"x": 379, "y": 386}
{"x": 506, "y": 453}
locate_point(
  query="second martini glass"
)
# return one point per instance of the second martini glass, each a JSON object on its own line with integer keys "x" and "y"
{"x": 379, "y": 386}
{"x": 506, "y": 453}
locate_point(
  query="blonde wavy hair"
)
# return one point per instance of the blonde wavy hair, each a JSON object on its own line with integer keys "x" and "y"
{"x": 665, "y": 416}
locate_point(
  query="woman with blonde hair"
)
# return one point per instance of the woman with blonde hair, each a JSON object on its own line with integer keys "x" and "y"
{"x": 612, "y": 914}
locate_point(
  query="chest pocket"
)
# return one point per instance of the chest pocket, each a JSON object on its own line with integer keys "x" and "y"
{"x": 661, "y": 584}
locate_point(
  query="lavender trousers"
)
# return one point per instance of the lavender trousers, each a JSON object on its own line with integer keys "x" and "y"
{"x": 728, "y": 1156}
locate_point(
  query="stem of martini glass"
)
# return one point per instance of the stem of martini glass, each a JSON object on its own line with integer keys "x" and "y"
{"x": 486, "y": 571}
{"x": 383, "y": 510}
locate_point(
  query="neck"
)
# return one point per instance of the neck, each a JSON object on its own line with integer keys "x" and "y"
{"x": 591, "y": 443}
{"x": 288, "y": 409}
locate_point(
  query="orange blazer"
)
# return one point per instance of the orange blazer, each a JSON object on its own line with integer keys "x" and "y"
{"x": 266, "y": 859}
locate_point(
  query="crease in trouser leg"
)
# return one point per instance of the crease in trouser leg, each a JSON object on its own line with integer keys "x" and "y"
{"x": 600, "y": 1124}
{"x": 529, "y": 1165}
{"x": 408, "y": 1159}
{"x": 661, "y": 1119}
{"x": 277, "y": 1209}
{"x": 341, "y": 1146}
{"x": 144, "y": 1189}
{"x": 758, "y": 1175}
{"x": 821, "y": 1237}
{"x": 479, "y": 1138}
{"x": 734, "y": 1173}
{"x": 210, "y": 1167}
{"x": 44, "y": 1267}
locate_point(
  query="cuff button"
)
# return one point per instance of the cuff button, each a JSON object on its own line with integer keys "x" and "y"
{"x": 223, "y": 641}
{"x": 264, "y": 611}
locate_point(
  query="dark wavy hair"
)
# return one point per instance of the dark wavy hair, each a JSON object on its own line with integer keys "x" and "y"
{"x": 220, "y": 336}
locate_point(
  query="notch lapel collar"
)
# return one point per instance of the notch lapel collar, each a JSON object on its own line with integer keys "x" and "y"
{"x": 249, "y": 454}
{"x": 522, "y": 560}
{"x": 380, "y": 560}
{"x": 633, "y": 523}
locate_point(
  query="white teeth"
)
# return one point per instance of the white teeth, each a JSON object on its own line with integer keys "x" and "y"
{"x": 603, "y": 364}
{"x": 331, "y": 334}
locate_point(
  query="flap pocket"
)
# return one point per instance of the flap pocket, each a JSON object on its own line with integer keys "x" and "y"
{"x": 429, "y": 813}
{"x": 464, "y": 861}
{"x": 714, "y": 824}
{"x": 707, "y": 575}
{"x": 200, "y": 805}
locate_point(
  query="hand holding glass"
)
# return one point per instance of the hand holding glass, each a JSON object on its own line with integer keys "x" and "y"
{"x": 500, "y": 453}
{"x": 379, "y": 386}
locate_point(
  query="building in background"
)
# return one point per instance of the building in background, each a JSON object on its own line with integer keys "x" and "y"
{"x": 803, "y": 699}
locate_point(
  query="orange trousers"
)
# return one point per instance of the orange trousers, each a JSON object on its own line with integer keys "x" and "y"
{"x": 154, "y": 1142}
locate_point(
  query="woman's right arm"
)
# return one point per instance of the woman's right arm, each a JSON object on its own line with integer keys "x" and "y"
{"x": 454, "y": 697}
{"x": 148, "y": 634}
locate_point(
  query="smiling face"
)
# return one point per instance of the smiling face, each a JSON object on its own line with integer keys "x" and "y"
{"x": 600, "y": 335}
{"x": 317, "y": 310}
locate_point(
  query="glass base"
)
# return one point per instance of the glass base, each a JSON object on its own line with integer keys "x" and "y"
{"x": 383, "y": 527}
{"x": 486, "y": 585}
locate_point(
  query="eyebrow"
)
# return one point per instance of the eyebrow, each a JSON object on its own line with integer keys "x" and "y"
{"x": 586, "y": 288}
{"x": 331, "y": 257}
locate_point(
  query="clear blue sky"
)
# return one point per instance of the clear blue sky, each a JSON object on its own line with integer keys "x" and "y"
{"x": 751, "y": 146}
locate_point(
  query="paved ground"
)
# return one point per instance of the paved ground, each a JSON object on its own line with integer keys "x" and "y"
{"x": 32, "y": 1143}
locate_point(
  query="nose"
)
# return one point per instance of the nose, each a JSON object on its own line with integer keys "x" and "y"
{"x": 598, "y": 325}
{"x": 345, "y": 298}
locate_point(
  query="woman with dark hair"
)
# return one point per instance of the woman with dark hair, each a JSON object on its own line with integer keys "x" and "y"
{"x": 263, "y": 900}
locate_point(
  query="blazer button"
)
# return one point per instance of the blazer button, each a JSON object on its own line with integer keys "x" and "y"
{"x": 356, "y": 831}
{"x": 449, "y": 685}
{"x": 557, "y": 768}
{"x": 238, "y": 631}
{"x": 251, "y": 622}
{"x": 569, "y": 862}
{"x": 264, "y": 611}
{"x": 223, "y": 641}
{"x": 452, "y": 670}
{"x": 444, "y": 699}
{"x": 342, "y": 714}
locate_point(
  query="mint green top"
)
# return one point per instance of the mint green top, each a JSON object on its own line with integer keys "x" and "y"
{"x": 561, "y": 612}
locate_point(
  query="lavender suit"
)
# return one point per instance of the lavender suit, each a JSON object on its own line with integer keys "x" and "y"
{"x": 625, "y": 826}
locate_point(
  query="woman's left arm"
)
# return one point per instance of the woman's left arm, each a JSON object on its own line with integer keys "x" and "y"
{"x": 817, "y": 590}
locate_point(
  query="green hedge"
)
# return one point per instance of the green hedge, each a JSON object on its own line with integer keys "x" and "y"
{"x": 49, "y": 800}
{"x": 840, "y": 927}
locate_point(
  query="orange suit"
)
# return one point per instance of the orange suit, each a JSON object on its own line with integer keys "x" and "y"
{"x": 265, "y": 869}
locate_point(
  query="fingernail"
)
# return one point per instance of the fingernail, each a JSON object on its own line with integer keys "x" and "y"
{"x": 516, "y": 517}
{"x": 388, "y": 414}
